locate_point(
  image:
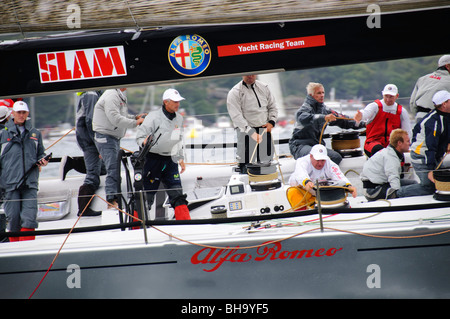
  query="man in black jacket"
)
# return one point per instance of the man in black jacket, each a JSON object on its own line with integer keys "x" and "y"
{"x": 310, "y": 119}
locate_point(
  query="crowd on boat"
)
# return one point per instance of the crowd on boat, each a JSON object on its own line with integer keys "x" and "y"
{"x": 103, "y": 119}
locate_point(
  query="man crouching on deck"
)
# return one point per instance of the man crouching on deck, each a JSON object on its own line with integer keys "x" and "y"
{"x": 316, "y": 166}
{"x": 382, "y": 174}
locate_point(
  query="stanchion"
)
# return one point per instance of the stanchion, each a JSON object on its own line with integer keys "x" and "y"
{"x": 144, "y": 216}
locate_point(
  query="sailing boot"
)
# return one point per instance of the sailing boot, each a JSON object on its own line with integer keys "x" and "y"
{"x": 23, "y": 238}
{"x": 85, "y": 193}
{"x": 180, "y": 206}
{"x": 182, "y": 213}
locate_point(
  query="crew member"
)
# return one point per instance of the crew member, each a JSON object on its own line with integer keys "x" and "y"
{"x": 253, "y": 111}
{"x": 165, "y": 126}
{"x": 316, "y": 167}
{"x": 22, "y": 153}
{"x": 427, "y": 85}
{"x": 382, "y": 117}
{"x": 310, "y": 120}
{"x": 110, "y": 123}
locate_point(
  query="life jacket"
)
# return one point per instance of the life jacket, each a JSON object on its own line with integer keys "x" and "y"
{"x": 379, "y": 130}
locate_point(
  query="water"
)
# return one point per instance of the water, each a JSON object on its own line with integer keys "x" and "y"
{"x": 210, "y": 137}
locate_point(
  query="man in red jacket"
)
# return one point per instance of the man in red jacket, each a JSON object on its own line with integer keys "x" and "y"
{"x": 382, "y": 117}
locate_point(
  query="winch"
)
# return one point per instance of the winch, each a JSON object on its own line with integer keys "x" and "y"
{"x": 346, "y": 143}
{"x": 442, "y": 183}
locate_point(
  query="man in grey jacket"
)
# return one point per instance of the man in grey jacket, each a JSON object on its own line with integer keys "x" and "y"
{"x": 253, "y": 111}
{"x": 110, "y": 123}
{"x": 427, "y": 85}
{"x": 21, "y": 154}
{"x": 382, "y": 173}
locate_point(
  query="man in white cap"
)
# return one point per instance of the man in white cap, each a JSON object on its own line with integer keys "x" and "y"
{"x": 421, "y": 97}
{"x": 165, "y": 127}
{"x": 431, "y": 141}
{"x": 382, "y": 117}
{"x": 22, "y": 152}
{"x": 5, "y": 114}
{"x": 317, "y": 166}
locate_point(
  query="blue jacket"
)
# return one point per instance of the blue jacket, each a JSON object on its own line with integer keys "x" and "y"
{"x": 18, "y": 153}
{"x": 431, "y": 136}
{"x": 85, "y": 112}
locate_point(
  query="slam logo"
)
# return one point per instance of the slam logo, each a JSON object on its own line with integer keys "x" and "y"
{"x": 81, "y": 64}
{"x": 189, "y": 55}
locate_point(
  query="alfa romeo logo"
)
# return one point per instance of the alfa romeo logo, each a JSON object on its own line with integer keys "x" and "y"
{"x": 189, "y": 55}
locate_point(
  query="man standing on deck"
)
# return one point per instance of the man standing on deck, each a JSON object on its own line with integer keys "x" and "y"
{"x": 427, "y": 85}
{"x": 161, "y": 162}
{"x": 21, "y": 156}
{"x": 92, "y": 161}
{"x": 110, "y": 123}
{"x": 5, "y": 114}
{"x": 253, "y": 111}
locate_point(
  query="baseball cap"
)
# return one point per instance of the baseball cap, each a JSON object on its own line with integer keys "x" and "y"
{"x": 319, "y": 152}
{"x": 390, "y": 89}
{"x": 172, "y": 94}
{"x": 443, "y": 60}
{"x": 20, "y": 106}
{"x": 4, "y": 112}
{"x": 440, "y": 97}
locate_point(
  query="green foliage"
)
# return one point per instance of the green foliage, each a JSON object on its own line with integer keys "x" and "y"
{"x": 364, "y": 80}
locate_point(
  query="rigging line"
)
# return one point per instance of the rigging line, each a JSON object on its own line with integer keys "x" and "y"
{"x": 57, "y": 254}
{"x": 131, "y": 13}
{"x": 298, "y": 234}
{"x": 256, "y": 146}
{"x": 67, "y": 237}
{"x": 326, "y": 123}
{"x": 61, "y": 138}
{"x": 17, "y": 18}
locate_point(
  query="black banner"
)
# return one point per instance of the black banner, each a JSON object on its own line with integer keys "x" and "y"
{"x": 120, "y": 59}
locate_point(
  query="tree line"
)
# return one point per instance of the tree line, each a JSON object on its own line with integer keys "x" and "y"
{"x": 207, "y": 98}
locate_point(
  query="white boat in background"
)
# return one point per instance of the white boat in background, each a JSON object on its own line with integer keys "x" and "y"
{"x": 223, "y": 122}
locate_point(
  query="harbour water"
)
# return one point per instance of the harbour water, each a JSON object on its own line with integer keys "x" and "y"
{"x": 210, "y": 138}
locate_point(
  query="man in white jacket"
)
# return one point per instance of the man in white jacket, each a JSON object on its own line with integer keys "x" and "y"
{"x": 253, "y": 111}
{"x": 427, "y": 85}
{"x": 382, "y": 173}
{"x": 110, "y": 123}
{"x": 317, "y": 166}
